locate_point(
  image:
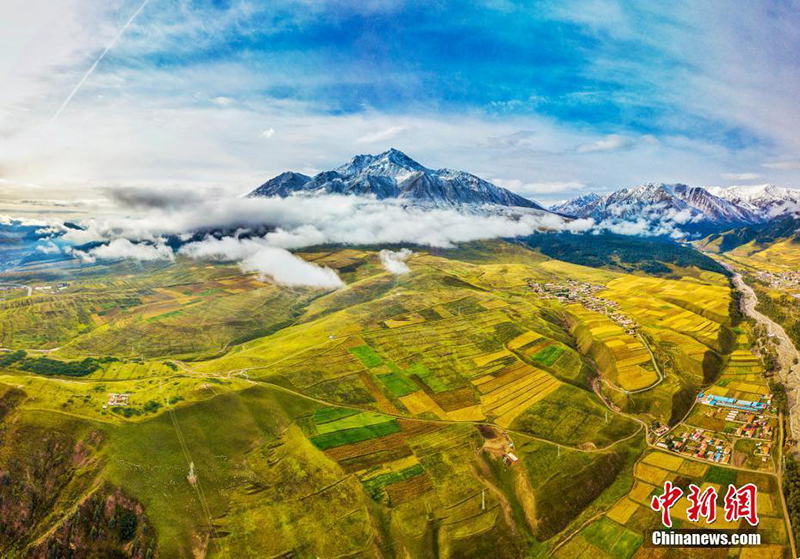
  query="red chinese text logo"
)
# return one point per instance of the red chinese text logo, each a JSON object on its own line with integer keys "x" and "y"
{"x": 666, "y": 501}
{"x": 739, "y": 503}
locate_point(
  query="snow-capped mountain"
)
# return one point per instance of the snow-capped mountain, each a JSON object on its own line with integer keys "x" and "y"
{"x": 393, "y": 174}
{"x": 765, "y": 200}
{"x": 685, "y": 207}
{"x": 575, "y": 206}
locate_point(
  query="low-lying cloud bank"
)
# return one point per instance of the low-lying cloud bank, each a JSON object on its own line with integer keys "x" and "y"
{"x": 258, "y": 233}
{"x": 123, "y": 249}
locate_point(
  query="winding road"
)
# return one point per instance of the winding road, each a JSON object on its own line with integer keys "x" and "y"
{"x": 788, "y": 356}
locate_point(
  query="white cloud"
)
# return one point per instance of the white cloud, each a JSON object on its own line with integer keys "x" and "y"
{"x": 48, "y": 248}
{"x": 286, "y": 269}
{"x": 741, "y": 176}
{"x": 612, "y": 142}
{"x": 383, "y": 135}
{"x": 268, "y": 133}
{"x": 123, "y": 249}
{"x": 395, "y": 261}
{"x": 256, "y": 255}
{"x": 640, "y": 227}
{"x": 222, "y": 101}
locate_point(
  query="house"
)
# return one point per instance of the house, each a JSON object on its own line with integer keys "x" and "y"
{"x": 510, "y": 459}
{"x": 118, "y": 400}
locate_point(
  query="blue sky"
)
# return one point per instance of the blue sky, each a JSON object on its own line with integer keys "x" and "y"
{"x": 552, "y": 99}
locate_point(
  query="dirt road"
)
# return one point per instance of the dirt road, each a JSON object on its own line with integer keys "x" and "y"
{"x": 787, "y": 354}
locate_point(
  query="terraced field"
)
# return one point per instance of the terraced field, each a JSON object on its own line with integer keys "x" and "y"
{"x": 623, "y": 358}
{"x": 780, "y": 256}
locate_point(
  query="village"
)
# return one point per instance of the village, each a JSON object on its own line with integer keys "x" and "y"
{"x": 745, "y": 419}
{"x": 781, "y": 281}
{"x": 585, "y": 294}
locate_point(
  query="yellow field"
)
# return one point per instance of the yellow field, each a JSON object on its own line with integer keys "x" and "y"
{"x": 523, "y": 339}
{"x": 419, "y": 402}
{"x": 405, "y": 321}
{"x": 509, "y": 392}
{"x": 622, "y": 357}
{"x": 650, "y": 474}
{"x": 778, "y": 257}
{"x": 664, "y": 460}
{"x": 483, "y": 360}
{"x": 622, "y": 511}
{"x": 641, "y": 492}
{"x": 710, "y": 301}
{"x": 693, "y": 469}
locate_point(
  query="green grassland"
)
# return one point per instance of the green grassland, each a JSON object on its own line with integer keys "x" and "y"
{"x": 368, "y": 421}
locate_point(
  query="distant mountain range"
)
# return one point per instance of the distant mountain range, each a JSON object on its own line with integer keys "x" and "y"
{"x": 767, "y": 201}
{"x": 393, "y": 174}
{"x": 688, "y": 209}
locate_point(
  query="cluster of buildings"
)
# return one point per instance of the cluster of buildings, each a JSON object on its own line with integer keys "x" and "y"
{"x": 701, "y": 444}
{"x": 756, "y": 427}
{"x": 749, "y": 414}
{"x": 748, "y": 406}
{"x": 783, "y": 281}
{"x": 584, "y": 293}
{"x": 51, "y": 288}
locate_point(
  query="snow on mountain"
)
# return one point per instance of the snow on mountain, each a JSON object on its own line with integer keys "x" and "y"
{"x": 685, "y": 207}
{"x": 766, "y": 200}
{"x": 575, "y": 206}
{"x": 393, "y": 174}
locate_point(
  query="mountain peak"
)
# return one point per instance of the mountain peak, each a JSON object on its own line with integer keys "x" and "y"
{"x": 393, "y": 174}
{"x": 575, "y": 205}
{"x": 392, "y": 162}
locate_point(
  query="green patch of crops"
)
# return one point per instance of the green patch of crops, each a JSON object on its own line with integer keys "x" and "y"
{"x": 427, "y": 377}
{"x": 350, "y": 436}
{"x": 326, "y": 415}
{"x": 374, "y": 486}
{"x": 398, "y": 384}
{"x": 627, "y": 544}
{"x": 548, "y": 355}
{"x": 352, "y": 421}
{"x": 719, "y": 475}
{"x": 367, "y": 356}
{"x": 603, "y": 533}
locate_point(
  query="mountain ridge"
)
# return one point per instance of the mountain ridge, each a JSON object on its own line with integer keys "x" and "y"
{"x": 690, "y": 208}
{"x": 393, "y": 174}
